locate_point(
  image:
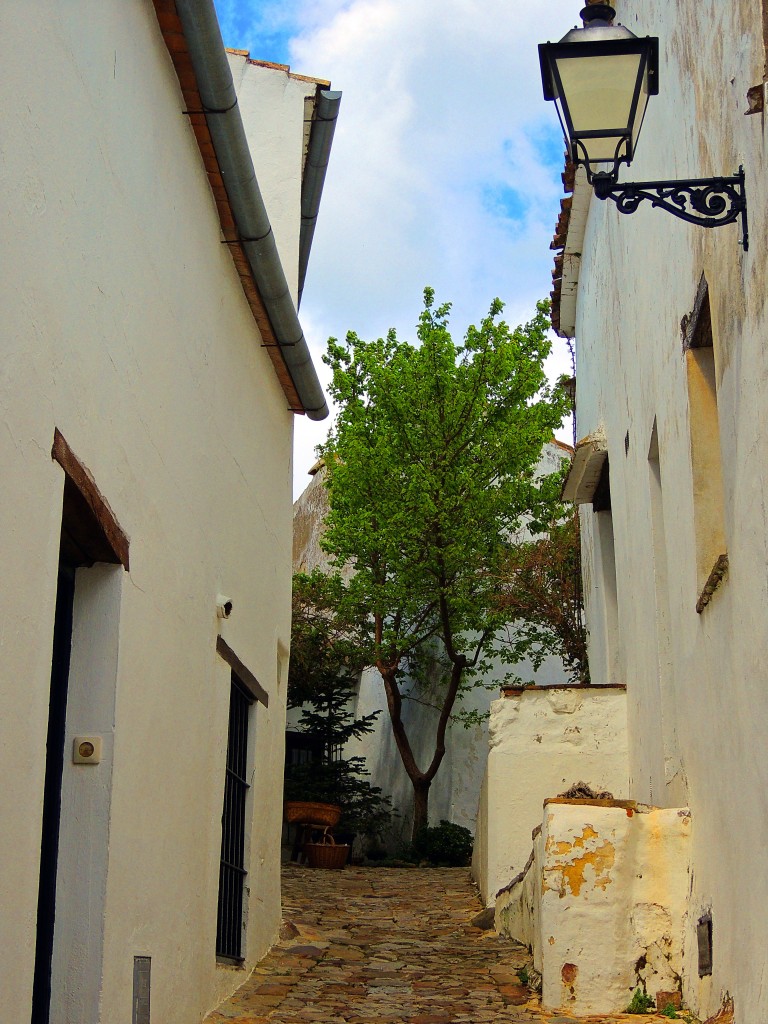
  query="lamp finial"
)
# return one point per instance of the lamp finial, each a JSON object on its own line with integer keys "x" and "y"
{"x": 597, "y": 10}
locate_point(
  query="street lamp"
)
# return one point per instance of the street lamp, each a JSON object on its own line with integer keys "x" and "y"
{"x": 600, "y": 78}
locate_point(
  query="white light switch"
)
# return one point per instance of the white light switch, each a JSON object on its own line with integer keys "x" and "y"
{"x": 86, "y": 750}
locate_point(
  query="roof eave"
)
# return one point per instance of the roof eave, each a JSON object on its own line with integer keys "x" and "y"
{"x": 253, "y": 257}
{"x": 585, "y": 470}
{"x": 569, "y": 242}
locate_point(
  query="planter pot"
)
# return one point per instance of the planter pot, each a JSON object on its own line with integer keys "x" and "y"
{"x": 326, "y": 854}
{"x": 308, "y": 812}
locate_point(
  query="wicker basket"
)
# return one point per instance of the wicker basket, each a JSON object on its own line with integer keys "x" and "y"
{"x": 326, "y": 854}
{"x": 305, "y": 812}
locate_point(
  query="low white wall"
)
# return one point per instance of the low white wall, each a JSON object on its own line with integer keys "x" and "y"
{"x": 542, "y": 740}
{"x": 614, "y": 890}
{"x": 604, "y": 903}
{"x": 518, "y": 904}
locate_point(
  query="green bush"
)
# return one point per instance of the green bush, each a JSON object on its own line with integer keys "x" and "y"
{"x": 641, "y": 1002}
{"x": 444, "y": 844}
{"x": 671, "y": 1012}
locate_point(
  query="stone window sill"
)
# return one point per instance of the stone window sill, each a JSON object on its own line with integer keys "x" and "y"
{"x": 235, "y": 963}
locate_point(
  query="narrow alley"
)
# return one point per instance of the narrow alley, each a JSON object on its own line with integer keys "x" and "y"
{"x": 387, "y": 946}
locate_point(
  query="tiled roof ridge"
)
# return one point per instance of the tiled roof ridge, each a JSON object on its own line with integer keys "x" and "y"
{"x": 323, "y": 82}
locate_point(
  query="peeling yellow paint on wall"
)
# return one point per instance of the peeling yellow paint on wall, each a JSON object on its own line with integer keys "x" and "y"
{"x": 571, "y": 875}
{"x": 561, "y": 847}
{"x": 587, "y": 833}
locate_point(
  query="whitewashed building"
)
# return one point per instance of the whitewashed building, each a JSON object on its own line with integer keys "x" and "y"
{"x": 152, "y": 362}
{"x": 670, "y": 323}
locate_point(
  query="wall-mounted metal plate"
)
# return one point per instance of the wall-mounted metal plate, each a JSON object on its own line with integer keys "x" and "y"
{"x": 86, "y": 750}
{"x": 704, "y": 937}
{"x": 142, "y": 966}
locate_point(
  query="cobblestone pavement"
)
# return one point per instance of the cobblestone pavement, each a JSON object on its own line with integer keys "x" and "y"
{"x": 387, "y": 946}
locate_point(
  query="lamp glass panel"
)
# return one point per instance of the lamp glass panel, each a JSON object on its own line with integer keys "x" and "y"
{"x": 642, "y": 103}
{"x": 598, "y": 92}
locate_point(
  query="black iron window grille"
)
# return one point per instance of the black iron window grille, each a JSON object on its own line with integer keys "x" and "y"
{"x": 232, "y": 873}
{"x": 301, "y": 748}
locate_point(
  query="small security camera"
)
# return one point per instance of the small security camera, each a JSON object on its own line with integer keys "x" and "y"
{"x": 223, "y": 606}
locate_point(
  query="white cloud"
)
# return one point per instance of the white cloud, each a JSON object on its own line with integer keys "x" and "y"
{"x": 445, "y": 168}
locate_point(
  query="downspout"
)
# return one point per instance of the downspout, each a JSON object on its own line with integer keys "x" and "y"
{"x": 318, "y": 153}
{"x": 219, "y": 99}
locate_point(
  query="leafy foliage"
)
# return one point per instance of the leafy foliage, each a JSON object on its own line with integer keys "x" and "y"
{"x": 430, "y": 472}
{"x": 541, "y": 590}
{"x": 444, "y": 844}
{"x": 330, "y": 640}
{"x": 641, "y": 1002}
{"x": 329, "y": 649}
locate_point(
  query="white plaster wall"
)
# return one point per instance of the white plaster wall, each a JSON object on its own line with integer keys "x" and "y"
{"x": 518, "y": 904}
{"x": 125, "y": 325}
{"x": 455, "y": 789}
{"x": 269, "y": 99}
{"x": 541, "y": 741}
{"x": 638, "y": 279}
{"x": 86, "y": 797}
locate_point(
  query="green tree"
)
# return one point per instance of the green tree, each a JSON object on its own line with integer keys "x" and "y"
{"x": 331, "y": 642}
{"x": 430, "y": 471}
{"x": 541, "y": 591}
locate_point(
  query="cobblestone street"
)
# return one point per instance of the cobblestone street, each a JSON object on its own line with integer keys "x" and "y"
{"x": 387, "y": 946}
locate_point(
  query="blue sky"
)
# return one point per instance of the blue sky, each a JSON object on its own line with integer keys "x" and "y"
{"x": 262, "y": 28}
{"x": 446, "y": 164}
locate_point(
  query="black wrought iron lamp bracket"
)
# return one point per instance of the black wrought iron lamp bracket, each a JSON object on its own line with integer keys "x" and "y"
{"x": 708, "y": 202}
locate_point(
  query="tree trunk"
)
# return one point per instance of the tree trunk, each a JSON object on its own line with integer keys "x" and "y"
{"x": 420, "y": 804}
{"x": 419, "y": 780}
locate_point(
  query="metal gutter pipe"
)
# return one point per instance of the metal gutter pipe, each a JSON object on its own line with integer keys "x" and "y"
{"x": 219, "y": 99}
{"x": 318, "y": 153}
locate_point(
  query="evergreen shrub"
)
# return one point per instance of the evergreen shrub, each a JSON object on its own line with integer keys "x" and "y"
{"x": 445, "y": 844}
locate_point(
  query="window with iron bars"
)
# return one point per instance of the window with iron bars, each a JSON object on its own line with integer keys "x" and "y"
{"x": 303, "y": 748}
{"x": 232, "y": 873}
